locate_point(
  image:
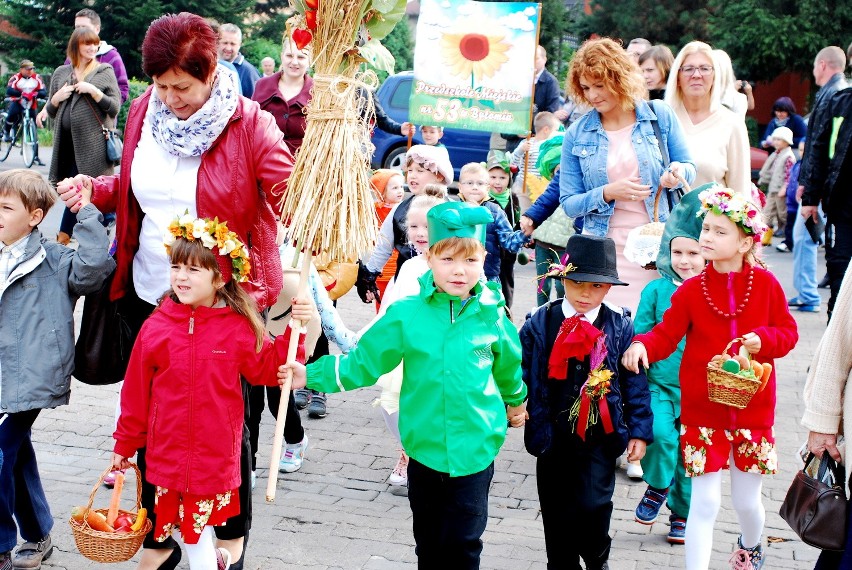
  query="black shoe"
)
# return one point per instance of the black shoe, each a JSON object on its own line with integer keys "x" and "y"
{"x": 824, "y": 283}
{"x": 316, "y": 409}
{"x": 31, "y": 554}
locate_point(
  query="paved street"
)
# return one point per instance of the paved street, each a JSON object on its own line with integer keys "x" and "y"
{"x": 338, "y": 512}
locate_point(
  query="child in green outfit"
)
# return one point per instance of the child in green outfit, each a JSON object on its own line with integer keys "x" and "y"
{"x": 679, "y": 259}
{"x": 458, "y": 379}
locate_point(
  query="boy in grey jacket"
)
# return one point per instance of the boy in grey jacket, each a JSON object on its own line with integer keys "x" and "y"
{"x": 40, "y": 282}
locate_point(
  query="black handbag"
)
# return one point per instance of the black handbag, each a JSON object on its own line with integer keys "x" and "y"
{"x": 114, "y": 145}
{"x": 103, "y": 348}
{"x": 815, "y": 508}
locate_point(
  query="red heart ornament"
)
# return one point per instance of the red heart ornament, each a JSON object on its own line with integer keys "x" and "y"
{"x": 302, "y": 38}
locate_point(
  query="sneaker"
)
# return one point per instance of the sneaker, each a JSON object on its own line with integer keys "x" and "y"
{"x": 30, "y": 555}
{"x": 316, "y": 409}
{"x": 794, "y": 302}
{"x": 294, "y": 455}
{"x": 253, "y": 479}
{"x": 5, "y": 561}
{"x": 634, "y": 470}
{"x": 677, "y": 532}
{"x": 650, "y": 505}
{"x": 808, "y": 308}
{"x": 302, "y": 398}
{"x": 747, "y": 558}
{"x": 109, "y": 480}
{"x": 223, "y": 559}
{"x": 399, "y": 476}
{"x": 782, "y": 247}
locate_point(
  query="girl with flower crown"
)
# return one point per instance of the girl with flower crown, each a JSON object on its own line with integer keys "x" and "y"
{"x": 182, "y": 397}
{"x": 735, "y": 297}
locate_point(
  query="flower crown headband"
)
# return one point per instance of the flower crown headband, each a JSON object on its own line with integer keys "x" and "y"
{"x": 725, "y": 202}
{"x": 212, "y": 234}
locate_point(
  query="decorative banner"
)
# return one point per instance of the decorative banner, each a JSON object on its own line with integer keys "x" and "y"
{"x": 473, "y": 65}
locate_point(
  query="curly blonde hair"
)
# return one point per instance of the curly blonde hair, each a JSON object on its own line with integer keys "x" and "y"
{"x": 604, "y": 60}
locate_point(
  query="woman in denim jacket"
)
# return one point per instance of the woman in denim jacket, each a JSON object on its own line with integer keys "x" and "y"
{"x": 612, "y": 163}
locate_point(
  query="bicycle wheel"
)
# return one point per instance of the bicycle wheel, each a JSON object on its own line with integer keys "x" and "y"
{"x": 29, "y": 140}
{"x": 5, "y": 147}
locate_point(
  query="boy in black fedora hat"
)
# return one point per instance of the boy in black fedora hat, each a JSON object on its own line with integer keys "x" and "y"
{"x": 584, "y": 408}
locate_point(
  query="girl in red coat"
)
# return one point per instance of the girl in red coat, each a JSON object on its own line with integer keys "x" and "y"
{"x": 734, "y": 297}
{"x": 182, "y": 397}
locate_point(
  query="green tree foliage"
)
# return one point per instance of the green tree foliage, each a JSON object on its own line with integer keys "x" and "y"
{"x": 672, "y": 22}
{"x": 400, "y": 44}
{"x": 49, "y": 24}
{"x": 767, "y": 37}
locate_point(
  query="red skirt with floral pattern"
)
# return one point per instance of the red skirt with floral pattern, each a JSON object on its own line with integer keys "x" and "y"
{"x": 191, "y": 513}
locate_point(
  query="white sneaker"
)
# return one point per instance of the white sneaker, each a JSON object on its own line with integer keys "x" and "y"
{"x": 634, "y": 471}
{"x": 399, "y": 476}
{"x": 294, "y": 455}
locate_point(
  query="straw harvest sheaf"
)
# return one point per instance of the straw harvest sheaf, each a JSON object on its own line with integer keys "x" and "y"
{"x": 328, "y": 205}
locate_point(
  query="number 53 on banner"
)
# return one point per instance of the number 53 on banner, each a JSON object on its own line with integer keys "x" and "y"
{"x": 479, "y": 80}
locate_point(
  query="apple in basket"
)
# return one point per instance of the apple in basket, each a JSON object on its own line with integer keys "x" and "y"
{"x": 124, "y": 521}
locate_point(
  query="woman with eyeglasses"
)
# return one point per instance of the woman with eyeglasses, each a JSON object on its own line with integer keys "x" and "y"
{"x": 612, "y": 163}
{"x": 717, "y": 136}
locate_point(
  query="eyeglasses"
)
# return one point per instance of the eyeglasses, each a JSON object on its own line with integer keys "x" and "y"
{"x": 479, "y": 183}
{"x": 703, "y": 70}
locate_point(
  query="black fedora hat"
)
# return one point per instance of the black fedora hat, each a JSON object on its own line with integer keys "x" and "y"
{"x": 593, "y": 258}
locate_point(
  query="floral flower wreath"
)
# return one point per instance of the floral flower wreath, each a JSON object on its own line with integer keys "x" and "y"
{"x": 212, "y": 234}
{"x": 725, "y": 202}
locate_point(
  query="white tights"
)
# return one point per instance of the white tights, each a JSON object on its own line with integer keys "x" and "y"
{"x": 202, "y": 556}
{"x": 704, "y": 506}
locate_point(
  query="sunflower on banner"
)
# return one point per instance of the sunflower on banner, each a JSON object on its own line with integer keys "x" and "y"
{"x": 476, "y": 80}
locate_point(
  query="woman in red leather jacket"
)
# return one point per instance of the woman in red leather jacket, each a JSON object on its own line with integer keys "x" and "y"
{"x": 191, "y": 144}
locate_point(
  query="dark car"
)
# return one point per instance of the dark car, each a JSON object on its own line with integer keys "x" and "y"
{"x": 464, "y": 146}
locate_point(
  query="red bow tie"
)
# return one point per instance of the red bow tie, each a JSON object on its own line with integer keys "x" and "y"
{"x": 576, "y": 338}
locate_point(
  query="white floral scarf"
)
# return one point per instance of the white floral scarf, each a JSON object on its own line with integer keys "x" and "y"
{"x": 193, "y": 136}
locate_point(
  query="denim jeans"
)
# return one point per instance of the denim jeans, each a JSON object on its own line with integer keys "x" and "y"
{"x": 450, "y": 514}
{"x": 805, "y": 263}
{"x": 22, "y": 497}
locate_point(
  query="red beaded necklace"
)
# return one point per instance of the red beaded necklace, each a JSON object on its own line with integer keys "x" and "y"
{"x": 740, "y": 307}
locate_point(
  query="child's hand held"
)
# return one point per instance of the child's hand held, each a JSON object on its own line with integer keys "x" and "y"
{"x": 636, "y": 449}
{"x": 119, "y": 462}
{"x": 302, "y": 309}
{"x": 751, "y": 342}
{"x": 297, "y": 370}
{"x": 634, "y": 356}
{"x": 517, "y": 415}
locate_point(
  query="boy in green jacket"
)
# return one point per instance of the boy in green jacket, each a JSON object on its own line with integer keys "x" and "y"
{"x": 679, "y": 259}
{"x": 461, "y": 369}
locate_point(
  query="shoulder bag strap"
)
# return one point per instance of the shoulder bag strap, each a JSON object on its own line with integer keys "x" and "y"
{"x": 656, "y": 126}
{"x": 94, "y": 112}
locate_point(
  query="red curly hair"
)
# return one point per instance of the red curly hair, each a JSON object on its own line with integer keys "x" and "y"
{"x": 604, "y": 60}
{"x": 180, "y": 41}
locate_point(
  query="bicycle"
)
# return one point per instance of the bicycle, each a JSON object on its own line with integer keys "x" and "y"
{"x": 25, "y": 135}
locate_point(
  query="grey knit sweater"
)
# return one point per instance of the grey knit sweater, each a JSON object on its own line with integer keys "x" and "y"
{"x": 86, "y": 135}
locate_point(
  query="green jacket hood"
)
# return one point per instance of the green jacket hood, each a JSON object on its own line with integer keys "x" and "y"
{"x": 683, "y": 221}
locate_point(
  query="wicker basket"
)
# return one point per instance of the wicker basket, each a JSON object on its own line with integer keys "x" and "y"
{"x": 643, "y": 242}
{"x": 728, "y": 388}
{"x": 109, "y": 546}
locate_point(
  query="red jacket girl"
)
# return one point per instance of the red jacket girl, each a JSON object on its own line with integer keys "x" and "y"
{"x": 707, "y": 333}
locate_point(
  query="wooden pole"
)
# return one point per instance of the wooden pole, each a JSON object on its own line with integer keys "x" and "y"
{"x": 410, "y": 136}
{"x": 292, "y": 348}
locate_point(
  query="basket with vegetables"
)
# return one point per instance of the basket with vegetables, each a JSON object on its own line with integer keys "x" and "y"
{"x": 734, "y": 379}
{"x": 113, "y": 534}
